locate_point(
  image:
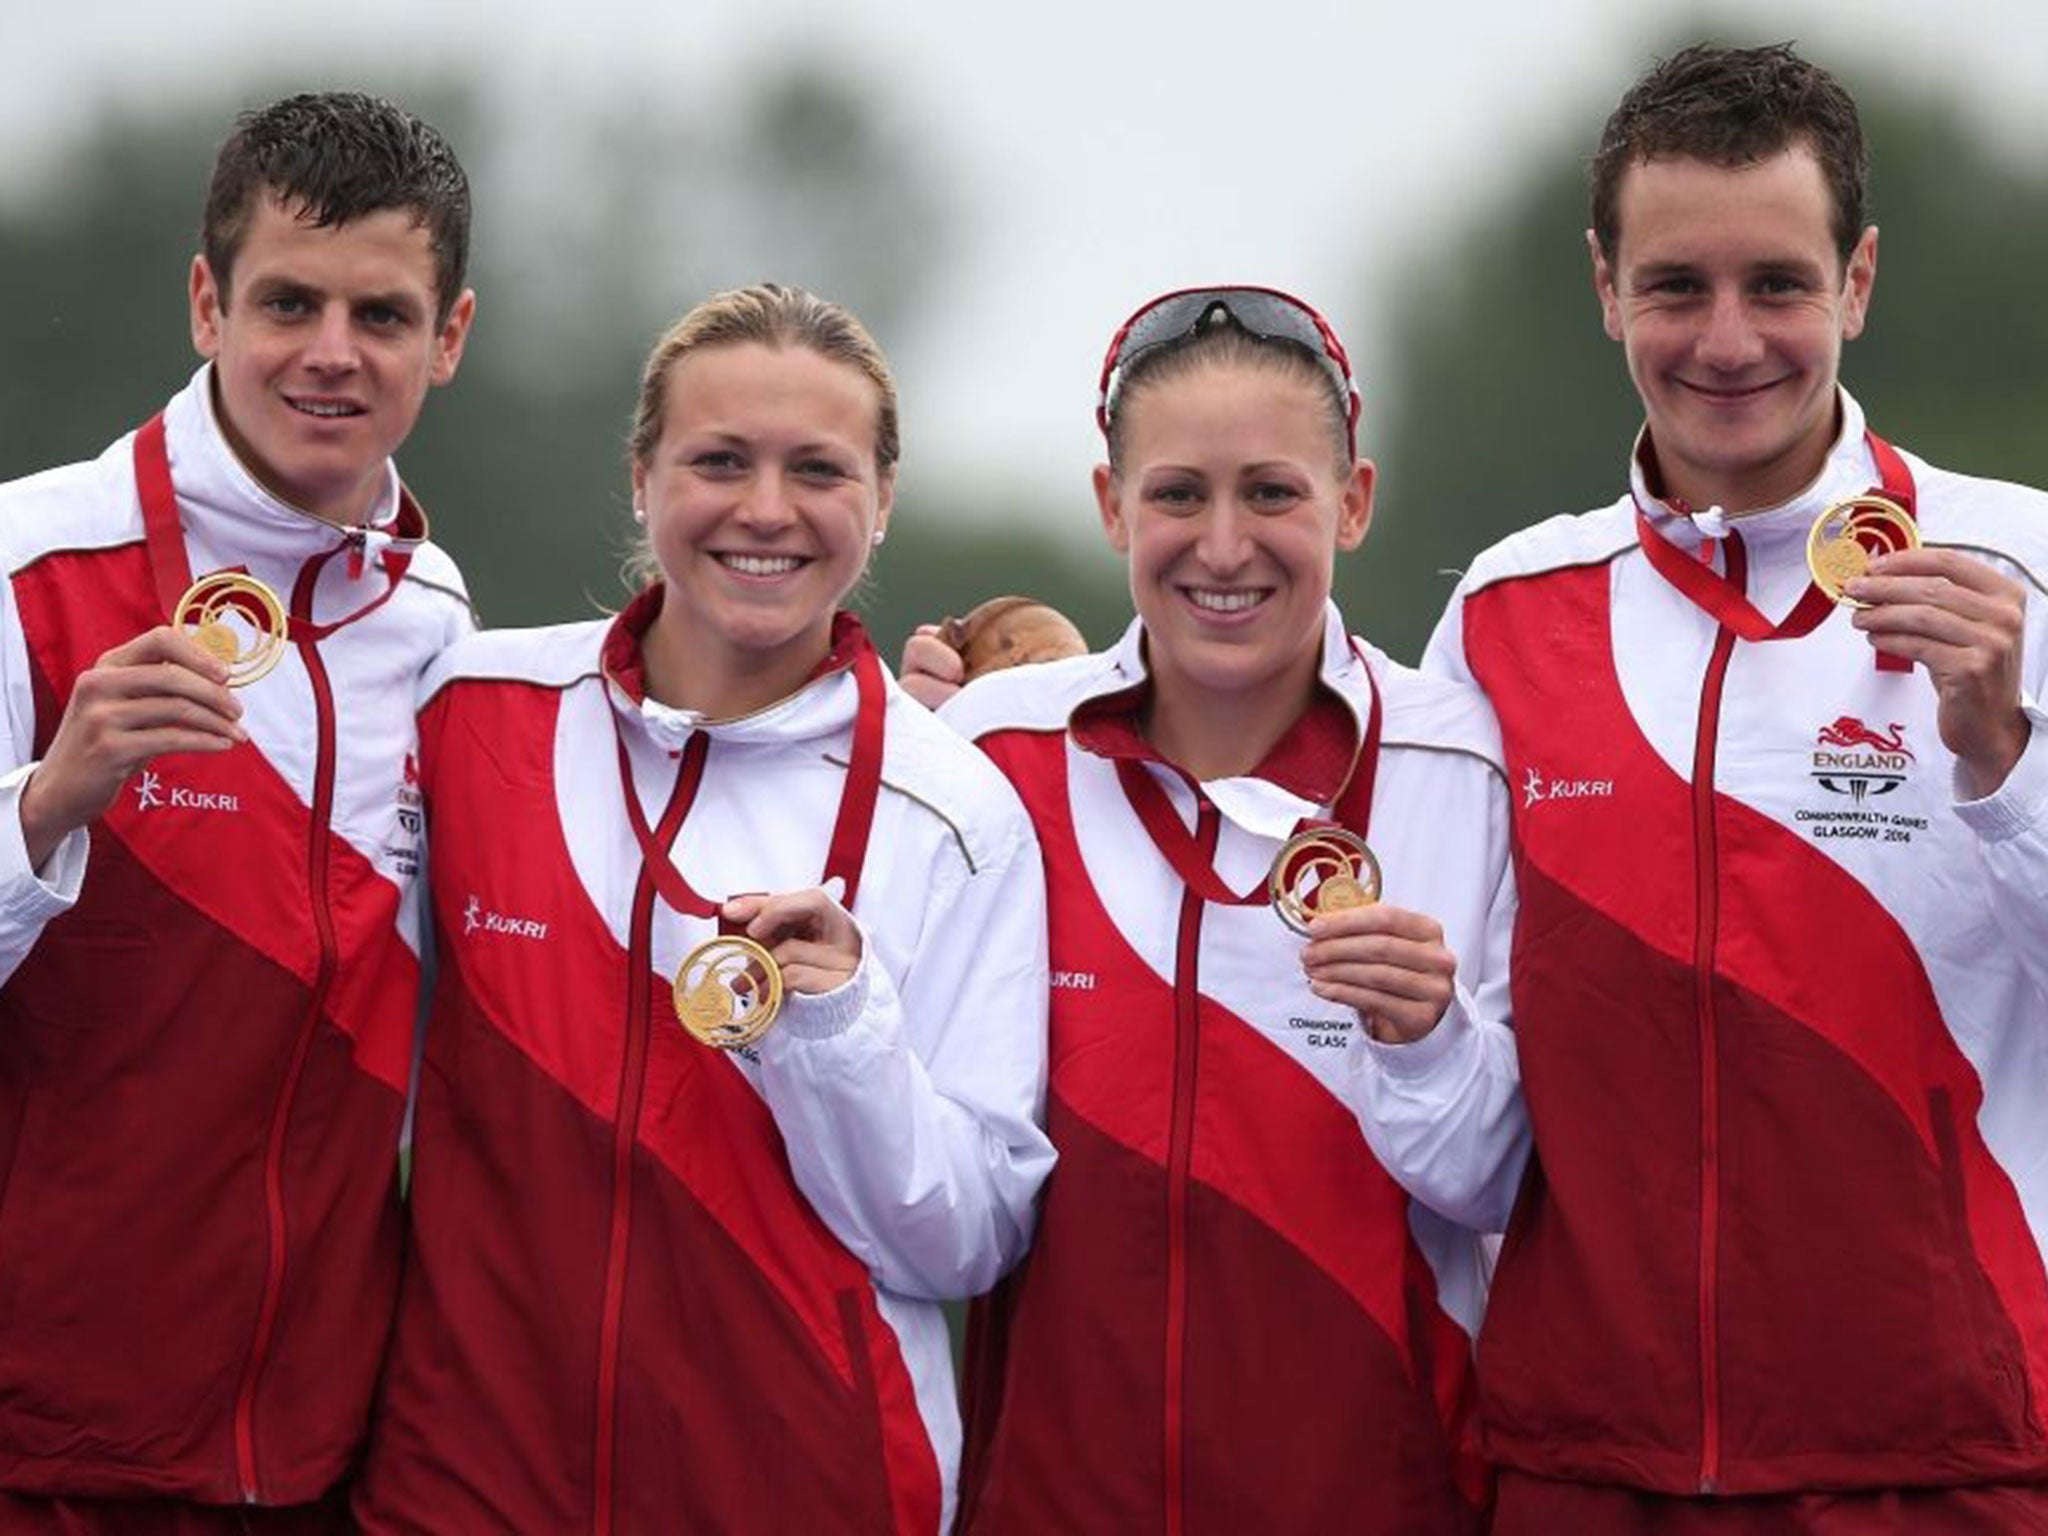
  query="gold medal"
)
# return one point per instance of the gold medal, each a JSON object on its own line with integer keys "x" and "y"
{"x": 1325, "y": 869}
{"x": 728, "y": 992}
{"x": 236, "y": 619}
{"x": 1849, "y": 535}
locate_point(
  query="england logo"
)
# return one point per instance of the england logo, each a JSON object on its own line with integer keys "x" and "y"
{"x": 1853, "y": 759}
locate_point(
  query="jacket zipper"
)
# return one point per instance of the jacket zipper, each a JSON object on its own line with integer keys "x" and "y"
{"x": 625, "y": 1135}
{"x": 1707, "y": 912}
{"x": 1187, "y": 1018}
{"x": 626, "y": 1128}
{"x": 276, "y": 1232}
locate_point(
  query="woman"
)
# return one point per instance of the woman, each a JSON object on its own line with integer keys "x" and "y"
{"x": 1232, "y": 1319}
{"x": 657, "y": 1286}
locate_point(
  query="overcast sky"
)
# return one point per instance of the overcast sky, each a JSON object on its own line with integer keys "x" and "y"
{"x": 1098, "y": 151}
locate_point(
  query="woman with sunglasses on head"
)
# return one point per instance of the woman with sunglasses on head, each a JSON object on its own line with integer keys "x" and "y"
{"x": 1232, "y": 1318}
{"x": 656, "y": 1285}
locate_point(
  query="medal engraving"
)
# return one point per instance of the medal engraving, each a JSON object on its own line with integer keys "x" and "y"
{"x": 1849, "y": 535}
{"x": 236, "y": 619}
{"x": 1325, "y": 869}
{"x": 728, "y": 992}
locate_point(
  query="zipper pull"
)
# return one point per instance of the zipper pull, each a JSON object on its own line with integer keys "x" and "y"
{"x": 357, "y": 539}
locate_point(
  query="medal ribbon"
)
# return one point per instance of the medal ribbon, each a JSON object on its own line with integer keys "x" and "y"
{"x": 1722, "y": 596}
{"x": 1170, "y": 835}
{"x": 172, "y": 572}
{"x": 844, "y": 856}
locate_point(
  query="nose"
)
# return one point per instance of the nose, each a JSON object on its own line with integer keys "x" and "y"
{"x": 332, "y": 346}
{"x": 766, "y": 508}
{"x": 1224, "y": 544}
{"x": 1731, "y": 340}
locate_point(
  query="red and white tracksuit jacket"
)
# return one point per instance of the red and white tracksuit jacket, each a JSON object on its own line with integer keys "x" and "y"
{"x": 206, "y": 1021}
{"x": 1232, "y": 1320}
{"x": 655, "y": 1286}
{"x": 1781, "y": 1008}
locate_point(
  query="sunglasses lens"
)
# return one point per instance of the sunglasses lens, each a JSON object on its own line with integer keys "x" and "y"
{"x": 1266, "y": 315}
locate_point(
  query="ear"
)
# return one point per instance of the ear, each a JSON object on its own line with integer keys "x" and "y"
{"x": 1603, "y": 285}
{"x": 453, "y": 336}
{"x": 885, "y": 501}
{"x": 1860, "y": 279}
{"x": 207, "y": 309}
{"x": 1108, "y": 502}
{"x": 639, "y": 484}
{"x": 1354, "y": 515}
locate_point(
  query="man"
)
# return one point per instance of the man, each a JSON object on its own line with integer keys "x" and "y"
{"x": 1780, "y": 975}
{"x": 205, "y": 1022}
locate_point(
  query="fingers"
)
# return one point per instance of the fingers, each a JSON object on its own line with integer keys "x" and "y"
{"x": 814, "y": 940}
{"x": 1941, "y": 594}
{"x": 149, "y": 697}
{"x": 1950, "y": 565}
{"x": 931, "y": 671}
{"x": 1389, "y": 964}
{"x": 168, "y": 645}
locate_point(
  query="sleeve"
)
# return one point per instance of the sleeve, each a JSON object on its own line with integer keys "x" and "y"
{"x": 29, "y": 897}
{"x": 912, "y": 1110}
{"x": 2011, "y": 827}
{"x": 1445, "y": 1114}
{"x": 2011, "y": 823}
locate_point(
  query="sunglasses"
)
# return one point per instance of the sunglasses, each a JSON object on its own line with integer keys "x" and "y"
{"x": 1266, "y": 313}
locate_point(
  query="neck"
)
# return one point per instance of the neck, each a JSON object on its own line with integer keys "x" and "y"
{"x": 684, "y": 674}
{"x": 1760, "y": 487}
{"x": 1224, "y": 735}
{"x": 349, "y": 511}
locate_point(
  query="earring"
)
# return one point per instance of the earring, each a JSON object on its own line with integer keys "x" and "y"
{"x": 880, "y": 534}
{"x": 639, "y": 514}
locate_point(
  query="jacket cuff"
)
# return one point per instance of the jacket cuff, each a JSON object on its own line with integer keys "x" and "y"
{"x": 822, "y": 1015}
{"x": 1414, "y": 1060}
{"x": 2020, "y": 804}
{"x": 29, "y": 895}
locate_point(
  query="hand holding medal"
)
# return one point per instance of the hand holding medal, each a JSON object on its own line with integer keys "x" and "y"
{"x": 1390, "y": 965}
{"x": 730, "y": 988}
{"x": 939, "y": 659}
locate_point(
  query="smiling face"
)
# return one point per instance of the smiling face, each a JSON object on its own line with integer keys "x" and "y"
{"x": 762, "y": 497}
{"x": 324, "y": 349}
{"x": 1231, "y": 511}
{"x": 1732, "y": 304}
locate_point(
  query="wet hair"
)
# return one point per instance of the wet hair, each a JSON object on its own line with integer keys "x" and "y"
{"x": 1221, "y": 342}
{"x": 334, "y": 157}
{"x": 1734, "y": 107}
{"x": 771, "y": 315}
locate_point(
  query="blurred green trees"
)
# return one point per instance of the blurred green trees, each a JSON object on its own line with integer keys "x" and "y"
{"x": 1506, "y": 403}
{"x": 592, "y": 233}
{"x": 1498, "y": 401}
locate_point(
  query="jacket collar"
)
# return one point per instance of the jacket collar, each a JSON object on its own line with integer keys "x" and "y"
{"x": 1307, "y": 767}
{"x": 822, "y": 706}
{"x": 212, "y": 481}
{"x": 1848, "y": 470}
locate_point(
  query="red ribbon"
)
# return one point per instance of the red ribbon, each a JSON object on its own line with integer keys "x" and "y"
{"x": 1170, "y": 835}
{"x": 1722, "y": 596}
{"x": 172, "y": 572}
{"x": 845, "y": 856}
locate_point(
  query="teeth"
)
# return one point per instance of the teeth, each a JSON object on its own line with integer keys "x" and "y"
{"x": 762, "y": 565}
{"x": 323, "y": 408}
{"x": 1225, "y": 602}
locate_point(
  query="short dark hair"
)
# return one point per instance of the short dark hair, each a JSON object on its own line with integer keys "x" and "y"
{"x": 336, "y": 156}
{"x": 1734, "y": 107}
